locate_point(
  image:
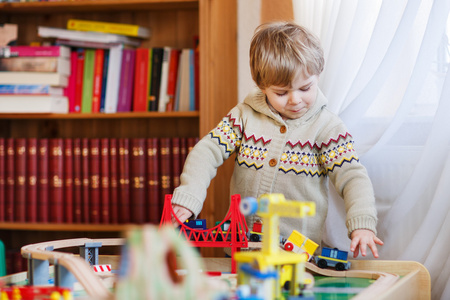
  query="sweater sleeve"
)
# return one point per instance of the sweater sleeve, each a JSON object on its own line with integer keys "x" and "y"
{"x": 350, "y": 179}
{"x": 204, "y": 159}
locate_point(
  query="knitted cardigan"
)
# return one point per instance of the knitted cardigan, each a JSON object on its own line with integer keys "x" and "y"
{"x": 294, "y": 157}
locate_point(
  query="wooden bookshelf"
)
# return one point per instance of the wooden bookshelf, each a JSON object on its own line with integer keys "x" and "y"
{"x": 173, "y": 23}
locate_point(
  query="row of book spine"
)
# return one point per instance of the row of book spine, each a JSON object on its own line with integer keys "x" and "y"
{"x": 89, "y": 180}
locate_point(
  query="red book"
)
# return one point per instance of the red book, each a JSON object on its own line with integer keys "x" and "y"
{"x": 124, "y": 180}
{"x": 113, "y": 180}
{"x": 79, "y": 80}
{"x": 98, "y": 76}
{"x": 94, "y": 191}
{"x": 153, "y": 181}
{"x": 10, "y": 180}
{"x": 32, "y": 174}
{"x": 141, "y": 80}
{"x": 165, "y": 160}
{"x": 68, "y": 180}
{"x": 70, "y": 90}
{"x": 2, "y": 179}
{"x": 172, "y": 78}
{"x": 85, "y": 209}
{"x": 20, "y": 182}
{"x": 21, "y": 51}
{"x": 104, "y": 181}
{"x": 183, "y": 152}
{"x": 56, "y": 172}
{"x": 43, "y": 180}
{"x": 126, "y": 80}
{"x": 176, "y": 161}
{"x": 137, "y": 186}
{"x": 77, "y": 181}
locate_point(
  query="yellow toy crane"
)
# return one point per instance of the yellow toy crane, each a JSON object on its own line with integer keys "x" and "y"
{"x": 270, "y": 207}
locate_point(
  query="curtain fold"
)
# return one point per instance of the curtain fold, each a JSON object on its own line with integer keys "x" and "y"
{"x": 387, "y": 76}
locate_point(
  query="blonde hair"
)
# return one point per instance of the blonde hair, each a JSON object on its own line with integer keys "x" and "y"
{"x": 280, "y": 50}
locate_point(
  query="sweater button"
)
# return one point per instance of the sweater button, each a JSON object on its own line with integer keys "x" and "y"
{"x": 283, "y": 129}
{"x": 273, "y": 162}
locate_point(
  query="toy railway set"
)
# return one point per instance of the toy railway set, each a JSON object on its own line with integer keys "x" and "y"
{"x": 153, "y": 257}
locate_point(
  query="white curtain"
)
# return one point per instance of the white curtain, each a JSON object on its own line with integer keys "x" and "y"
{"x": 387, "y": 76}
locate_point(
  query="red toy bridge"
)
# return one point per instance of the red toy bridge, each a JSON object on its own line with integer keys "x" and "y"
{"x": 235, "y": 236}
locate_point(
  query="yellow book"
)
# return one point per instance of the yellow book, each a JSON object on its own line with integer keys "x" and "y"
{"x": 107, "y": 27}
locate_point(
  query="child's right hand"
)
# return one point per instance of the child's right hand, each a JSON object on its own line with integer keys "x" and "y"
{"x": 182, "y": 214}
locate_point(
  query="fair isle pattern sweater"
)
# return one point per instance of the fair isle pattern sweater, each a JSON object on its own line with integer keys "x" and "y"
{"x": 293, "y": 157}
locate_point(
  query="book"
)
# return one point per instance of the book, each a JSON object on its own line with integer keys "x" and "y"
{"x": 79, "y": 80}
{"x": 20, "y": 168}
{"x": 70, "y": 90}
{"x": 50, "y": 78}
{"x": 8, "y": 34}
{"x": 36, "y": 64}
{"x": 68, "y": 180}
{"x": 113, "y": 180}
{"x": 88, "y": 81}
{"x": 104, "y": 80}
{"x": 124, "y": 103}
{"x": 87, "y": 36}
{"x": 2, "y": 179}
{"x": 30, "y": 89}
{"x": 141, "y": 80}
{"x": 109, "y": 27}
{"x": 113, "y": 78}
{"x": 85, "y": 181}
{"x": 32, "y": 179}
{"x": 157, "y": 58}
{"x": 153, "y": 181}
{"x": 124, "y": 180}
{"x": 77, "y": 181}
{"x": 94, "y": 180}
{"x": 33, "y": 104}
{"x": 165, "y": 168}
{"x": 56, "y": 180}
{"x": 183, "y": 97}
{"x": 172, "y": 78}
{"x": 176, "y": 161}
{"x": 35, "y": 51}
{"x": 137, "y": 184}
{"x": 10, "y": 179}
{"x": 104, "y": 181}
{"x": 163, "y": 98}
{"x": 98, "y": 80}
{"x": 43, "y": 180}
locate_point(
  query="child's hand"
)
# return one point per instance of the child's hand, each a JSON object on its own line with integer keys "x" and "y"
{"x": 182, "y": 214}
{"x": 361, "y": 238}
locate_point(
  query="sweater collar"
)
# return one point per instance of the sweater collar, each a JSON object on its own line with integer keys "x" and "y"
{"x": 257, "y": 101}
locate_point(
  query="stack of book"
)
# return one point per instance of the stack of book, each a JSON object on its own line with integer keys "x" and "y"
{"x": 95, "y": 181}
{"x": 112, "y": 73}
{"x": 32, "y": 79}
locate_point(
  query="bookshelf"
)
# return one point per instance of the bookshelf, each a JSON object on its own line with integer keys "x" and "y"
{"x": 173, "y": 23}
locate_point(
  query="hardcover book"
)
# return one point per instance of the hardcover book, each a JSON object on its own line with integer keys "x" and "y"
{"x": 163, "y": 98}
{"x": 153, "y": 181}
{"x": 43, "y": 180}
{"x": 88, "y": 81}
{"x": 2, "y": 179}
{"x": 124, "y": 180}
{"x": 77, "y": 181}
{"x": 79, "y": 80}
{"x": 137, "y": 185}
{"x": 36, "y": 64}
{"x": 113, "y": 179}
{"x": 94, "y": 175}
{"x": 20, "y": 181}
{"x": 109, "y": 27}
{"x": 70, "y": 90}
{"x": 35, "y": 51}
{"x": 68, "y": 180}
{"x": 126, "y": 80}
{"x": 31, "y": 181}
{"x": 50, "y": 78}
{"x": 104, "y": 181}
{"x": 157, "y": 58}
{"x": 141, "y": 80}
{"x": 98, "y": 80}
{"x": 165, "y": 159}
{"x": 87, "y": 36}
{"x": 85, "y": 181}
{"x": 56, "y": 183}
{"x": 10, "y": 179}
{"x": 33, "y": 104}
{"x": 113, "y": 78}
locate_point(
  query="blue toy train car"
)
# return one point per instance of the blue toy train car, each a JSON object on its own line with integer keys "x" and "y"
{"x": 333, "y": 258}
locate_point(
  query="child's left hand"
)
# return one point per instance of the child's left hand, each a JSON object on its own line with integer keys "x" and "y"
{"x": 361, "y": 238}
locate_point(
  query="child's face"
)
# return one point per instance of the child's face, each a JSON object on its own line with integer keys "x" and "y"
{"x": 292, "y": 102}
